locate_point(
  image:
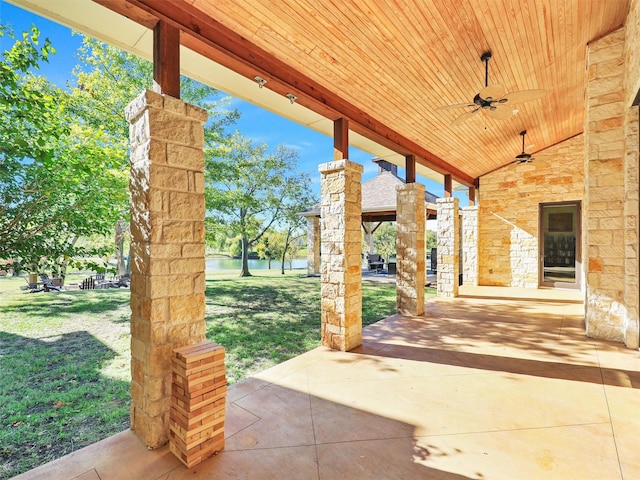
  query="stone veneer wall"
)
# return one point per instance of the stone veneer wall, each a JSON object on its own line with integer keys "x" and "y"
{"x": 632, "y": 176}
{"x": 167, "y": 251}
{"x": 313, "y": 245}
{"x": 508, "y": 214}
{"x": 410, "y": 247}
{"x": 470, "y": 245}
{"x": 341, "y": 265}
{"x": 448, "y": 247}
{"x": 611, "y": 163}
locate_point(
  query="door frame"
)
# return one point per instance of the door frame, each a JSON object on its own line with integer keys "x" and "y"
{"x": 578, "y": 259}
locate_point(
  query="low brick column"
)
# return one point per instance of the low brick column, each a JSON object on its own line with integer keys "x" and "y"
{"x": 198, "y": 396}
{"x": 448, "y": 247}
{"x": 410, "y": 249}
{"x": 341, "y": 268}
{"x": 167, "y": 251}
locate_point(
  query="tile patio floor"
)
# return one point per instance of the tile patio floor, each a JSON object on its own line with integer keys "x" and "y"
{"x": 478, "y": 388}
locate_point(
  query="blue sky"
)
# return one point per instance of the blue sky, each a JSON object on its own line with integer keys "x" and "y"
{"x": 256, "y": 123}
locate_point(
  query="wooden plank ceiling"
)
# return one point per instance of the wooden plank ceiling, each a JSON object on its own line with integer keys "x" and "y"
{"x": 387, "y": 65}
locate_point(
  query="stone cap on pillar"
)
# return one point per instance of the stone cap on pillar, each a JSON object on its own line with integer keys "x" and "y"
{"x": 337, "y": 165}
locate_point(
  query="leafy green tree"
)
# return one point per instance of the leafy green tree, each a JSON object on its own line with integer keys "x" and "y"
{"x": 248, "y": 189}
{"x": 432, "y": 240}
{"x": 270, "y": 246}
{"x": 57, "y": 178}
{"x": 384, "y": 240}
{"x": 293, "y": 223}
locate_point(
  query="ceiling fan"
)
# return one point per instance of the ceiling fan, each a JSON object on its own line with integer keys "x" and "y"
{"x": 493, "y": 99}
{"x": 523, "y": 157}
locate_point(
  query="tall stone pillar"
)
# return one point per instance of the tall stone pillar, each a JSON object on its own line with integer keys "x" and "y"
{"x": 470, "y": 245}
{"x": 313, "y": 245}
{"x": 448, "y": 247}
{"x": 167, "y": 249}
{"x": 410, "y": 249}
{"x": 341, "y": 268}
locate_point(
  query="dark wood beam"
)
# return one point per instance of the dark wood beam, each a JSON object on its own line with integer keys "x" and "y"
{"x": 226, "y": 47}
{"x": 341, "y": 139}
{"x": 166, "y": 59}
{"x": 472, "y": 196}
{"x": 410, "y": 167}
{"x": 448, "y": 186}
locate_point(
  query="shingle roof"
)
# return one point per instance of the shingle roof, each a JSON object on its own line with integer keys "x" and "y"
{"x": 378, "y": 195}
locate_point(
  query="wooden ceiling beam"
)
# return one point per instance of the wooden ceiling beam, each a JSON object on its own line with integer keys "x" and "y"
{"x": 166, "y": 59}
{"x": 224, "y": 46}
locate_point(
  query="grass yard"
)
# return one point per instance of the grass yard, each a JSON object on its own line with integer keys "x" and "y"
{"x": 64, "y": 357}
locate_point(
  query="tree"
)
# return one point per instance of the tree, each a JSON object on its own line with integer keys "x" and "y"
{"x": 432, "y": 240}
{"x": 384, "y": 240}
{"x": 270, "y": 246}
{"x": 64, "y": 153}
{"x": 57, "y": 178}
{"x": 249, "y": 189}
{"x": 294, "y": 224}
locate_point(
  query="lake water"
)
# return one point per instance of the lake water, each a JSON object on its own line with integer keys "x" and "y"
{"x": 236, "y": 264}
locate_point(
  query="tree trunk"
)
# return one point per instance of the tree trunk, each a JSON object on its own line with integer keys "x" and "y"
{"x": 284, "y": 252}
{"x": 245, "y": 257}
{"x": 269, "y": 263}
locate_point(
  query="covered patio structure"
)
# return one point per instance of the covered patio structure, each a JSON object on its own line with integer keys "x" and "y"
{"x": 375, "y": 75}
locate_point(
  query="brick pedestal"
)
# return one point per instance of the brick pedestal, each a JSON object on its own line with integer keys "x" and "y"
{"x": 341, "y": 269}
{"x": 198, "y": 395}
{"x": 410, "y": 249}
{"x": 448, "y": 247}
{"x": 167, "y": 251}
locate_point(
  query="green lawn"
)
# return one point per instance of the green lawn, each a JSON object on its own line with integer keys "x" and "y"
{"x": 64, "y": 357}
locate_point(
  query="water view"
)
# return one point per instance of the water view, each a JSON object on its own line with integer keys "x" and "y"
{"x": 254, "y": 264}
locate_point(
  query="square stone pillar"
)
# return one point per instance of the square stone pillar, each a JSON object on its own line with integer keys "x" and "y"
{"x": 167, "y": 251}
{"x": 410, "y": 249}
{"x": 448, "y": 247}
{"x": 470, "y": 246}
{"x": 313, "y": 245}
{"x": 341, "y": 268}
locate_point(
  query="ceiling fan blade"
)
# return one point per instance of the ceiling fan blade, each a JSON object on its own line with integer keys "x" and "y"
{"x": 500, "y": 113}
{"x": 493, "y": 92}
{"x": 523, "y": 96}
{"x": 457, "y": 105}
{"x": 464, "y": 117}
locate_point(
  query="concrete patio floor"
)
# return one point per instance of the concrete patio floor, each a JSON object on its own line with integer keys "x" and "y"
{"x": 478, "y": 388}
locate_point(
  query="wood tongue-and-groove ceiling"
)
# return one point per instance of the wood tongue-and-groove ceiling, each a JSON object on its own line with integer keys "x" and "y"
{"x": 387, "y": 65}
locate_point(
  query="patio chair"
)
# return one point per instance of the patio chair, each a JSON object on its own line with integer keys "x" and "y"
{"x": 376, "y": 262}
{"x": 47, "y": 284}
{"x": 88, "y": 284}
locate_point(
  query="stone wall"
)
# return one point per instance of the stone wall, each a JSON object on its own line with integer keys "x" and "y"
{"x": 611, "y": 164}
{"x": 632, "y": 175}
{"x": 448, "y": 247}
{"x": 167, "y": 251}
{"x": 508, "y": 214}
{"x": 470, "y": 246}
{"x": 341, "y": 264}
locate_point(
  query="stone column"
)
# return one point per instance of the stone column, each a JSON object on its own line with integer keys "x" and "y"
{"x": 341, "y": 267}
{"x": 470, "y": 245}
{"x": 606, "y": 315}
{"x": 632, "y": 229}
{"x": 313, "y": 245}
{"x": 410, "y": 249}
{"x": 167, "y": 249}
{"x": 448, "y": 247}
